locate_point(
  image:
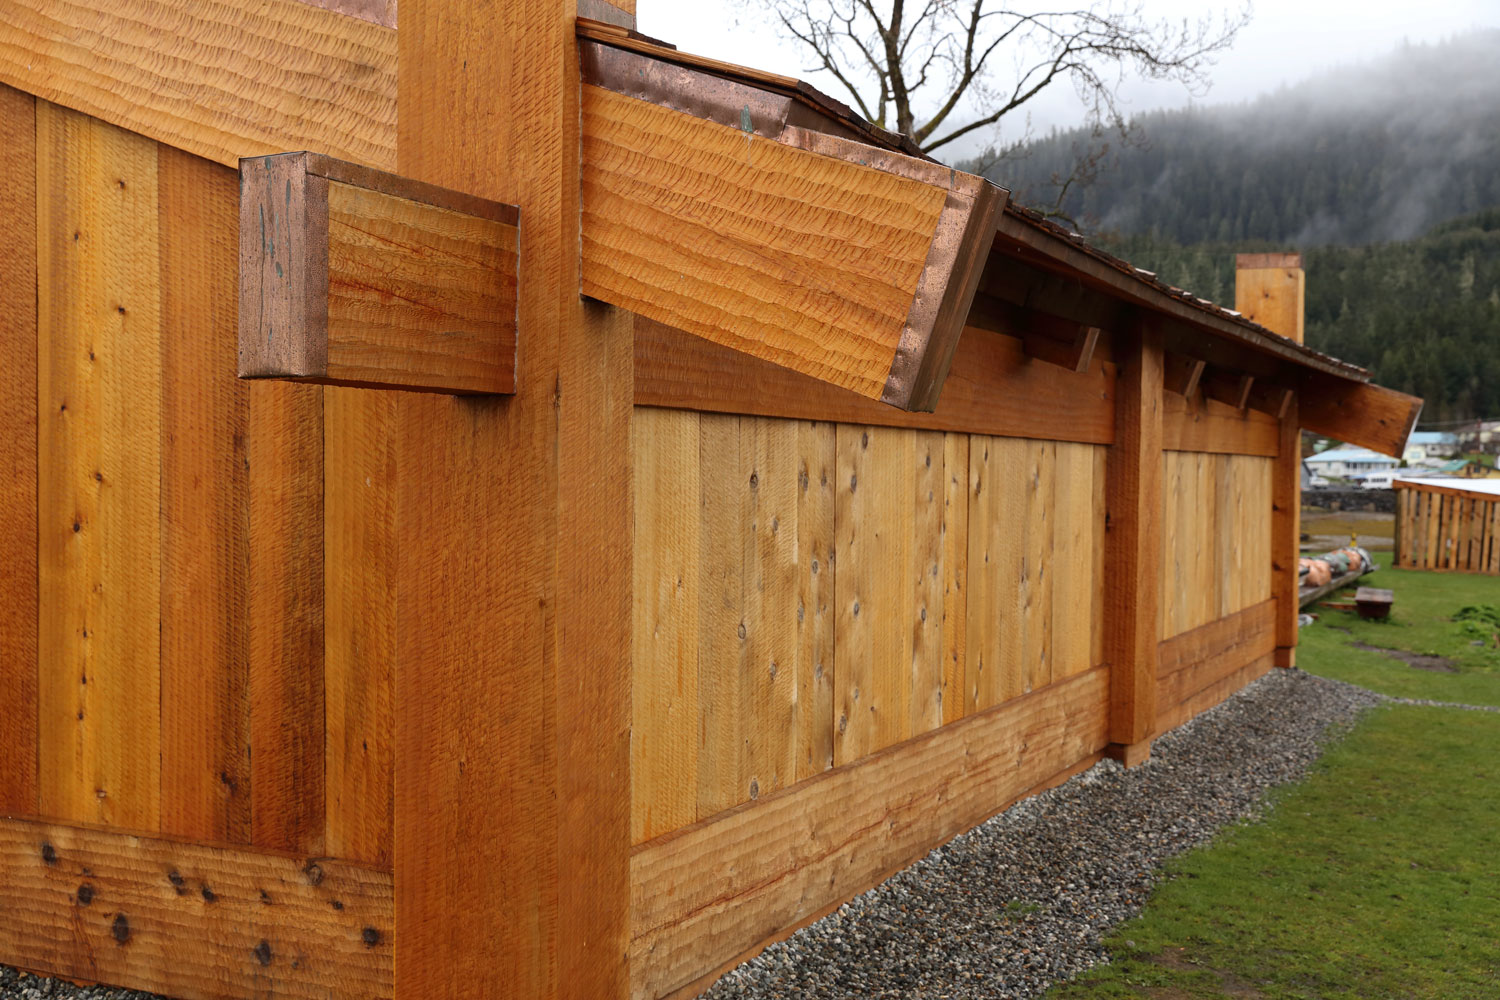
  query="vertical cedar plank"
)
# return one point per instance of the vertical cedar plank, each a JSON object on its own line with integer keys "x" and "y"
{"x": 889, "y": 645}
{"x": 1134, "y": 475}
{"x": 1398, "y": 549}
{"x": 359, "y": 652}
{"x": 1286, "y": 534}
{"x": 205, "y": 508}
{"x": 285, "y": 448}
{"x": 1073, "y": 560}
{"x": 1038, "y": 564}
{"x": 998, "y": 489}
{"x": 18, "y": 454}
{"x": 98, "y": 399}
{"x": 1208, "y": 518}
{"x": 955, "y": 574}
{"x": 770, "y": 681}
{"x": 1234, "y": 535}
{"x": 816, "y": 606}
{"x": 1170, "y": 574}
{"x": 925, "y": 609}
{"x": 664, "y": 657}
{"x": 1097, "y": 547}
{"x": 723, "y": 624}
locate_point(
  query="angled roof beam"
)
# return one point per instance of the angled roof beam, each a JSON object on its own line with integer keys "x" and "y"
{"x": 744, "y": 215}
{"x": 1043, "y": 337}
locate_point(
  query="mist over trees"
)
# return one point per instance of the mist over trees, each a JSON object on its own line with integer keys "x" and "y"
{"x": 1386, "y": 176}
{"x": 1376, "y": 152}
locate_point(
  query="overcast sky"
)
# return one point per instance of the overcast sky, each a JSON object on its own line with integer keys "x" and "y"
{"x": 1286, "y": 41}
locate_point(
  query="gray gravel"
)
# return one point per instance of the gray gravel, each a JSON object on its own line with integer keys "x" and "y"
{"x": 1023, "y": 900}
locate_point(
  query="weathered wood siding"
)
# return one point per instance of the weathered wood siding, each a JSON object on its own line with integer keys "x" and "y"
{"x": 808, "y": 594}
{"x": 1216, "y": 537}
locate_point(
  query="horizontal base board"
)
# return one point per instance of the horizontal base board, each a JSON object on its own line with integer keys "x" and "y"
{"x": 188, "y": 920}
{"x": 712, "y": 891}
{"x": 1200, "y": 668}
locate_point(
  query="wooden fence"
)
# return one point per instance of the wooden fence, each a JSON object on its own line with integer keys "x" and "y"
{"x": 1447, "y": 528}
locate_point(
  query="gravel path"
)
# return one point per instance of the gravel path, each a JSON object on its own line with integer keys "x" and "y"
{"x": 1023, "y": 900}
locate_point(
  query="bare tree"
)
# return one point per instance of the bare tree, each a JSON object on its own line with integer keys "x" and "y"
{"x": 940, "y": 70}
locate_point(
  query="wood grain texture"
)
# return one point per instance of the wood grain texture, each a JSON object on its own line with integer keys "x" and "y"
{"x": 287, "y": 725}
{"x": 1363, "y": 414}
{"x": 205, "y": 508}
{"x": 513, "y": 646}
{"x": 1213, "y": 694}
{"x": 99, "y": 432}
{"x": 188, "y": 920}
{"x": 1133, "y": 545}
{"x": 816, "y": 271}
{"x": 18, "y": 453}
{"x": 1204, "y": 656}
{"x": 707, "y": 894}
{"x": 817, "y": 472}
{"x": 359, "y": 651}
{"x": 440, "y": 314}
{"x": 997, "y": 550}
{"x": 664, "y": 645}
{"x": 955, "y": 575}
{"x": 1271, "y": 292}
{"x": 1199, "y": 424}
{"x": 888, "y": 651}
{"x": 223, "y": 80}
{"x": 992, "y": 388}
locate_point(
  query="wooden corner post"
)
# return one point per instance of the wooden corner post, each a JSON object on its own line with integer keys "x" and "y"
{"x": 1133, "y": 546}
{"x": 1269, "y": 288}
{"x": 512, "y": 729}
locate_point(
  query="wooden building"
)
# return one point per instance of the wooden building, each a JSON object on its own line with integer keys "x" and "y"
{"x": 767, "y": 504}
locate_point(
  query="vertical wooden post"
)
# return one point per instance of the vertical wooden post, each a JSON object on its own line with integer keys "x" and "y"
{"x": 1133, "y": 546}
{"x": 1269, "y": 289}
{"x": 512, "y": 782}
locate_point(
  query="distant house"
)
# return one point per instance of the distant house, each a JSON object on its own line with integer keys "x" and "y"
{"x": 1349, "y": 462}
{"x": 1430, "y": 447}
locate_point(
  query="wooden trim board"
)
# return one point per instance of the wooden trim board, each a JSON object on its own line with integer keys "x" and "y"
{"x": 1200, "y": 424}
{"x": 1198, "y": 659}
{"x": 189, "y": 920}
{"x": 705, "y": 894}
{"x": 992, "y": 388}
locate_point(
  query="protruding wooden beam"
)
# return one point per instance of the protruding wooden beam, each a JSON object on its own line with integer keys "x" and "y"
{"x": 1133, "y": 548}
{"x": 1269, "y": 289}
{"x": 1230, "y": 388}
{"x": 1359, "y": 413}
{"x": 352, "y": 276}
{"x": 1182, "y": 374}
{"x": 725, "y": 210}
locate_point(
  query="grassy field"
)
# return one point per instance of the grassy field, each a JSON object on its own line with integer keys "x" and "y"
{"x": 1379, "y": 876}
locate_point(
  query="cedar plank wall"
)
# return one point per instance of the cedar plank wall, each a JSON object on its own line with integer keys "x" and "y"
{"x": 168, "y": 505}
{"x": 808, "y": 594}
{"x": 821, "y": 599}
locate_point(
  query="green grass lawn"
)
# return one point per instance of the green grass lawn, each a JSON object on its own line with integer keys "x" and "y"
{"x": 1379, "y": 876}
{"x": 1421, "y": 622}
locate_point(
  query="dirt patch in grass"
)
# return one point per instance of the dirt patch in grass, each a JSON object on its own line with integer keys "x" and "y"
{"x": 1227, "y": 985}
{"x": 1441, "y": 664}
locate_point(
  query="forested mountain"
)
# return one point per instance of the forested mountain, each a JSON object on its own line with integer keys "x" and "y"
{"x": 1376, "y": 152}
{"x": 1423, "y": 314}
{"x": 1385, "y": 175}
